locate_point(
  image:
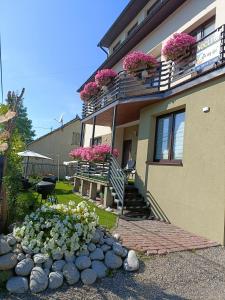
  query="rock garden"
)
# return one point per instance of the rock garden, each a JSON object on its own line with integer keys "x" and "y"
{"x": 60, "y": 243}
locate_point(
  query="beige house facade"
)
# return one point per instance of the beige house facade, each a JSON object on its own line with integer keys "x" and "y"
{"x": 175, "y": 133}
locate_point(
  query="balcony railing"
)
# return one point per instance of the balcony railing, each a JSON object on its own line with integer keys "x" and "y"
{"x": 95, "y": 171}
{"x": 206, "y": 54}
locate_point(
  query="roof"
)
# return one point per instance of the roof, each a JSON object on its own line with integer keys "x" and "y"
{"x": 158, "y": 13}
{"x": 127, "y": 15}
{"x": 77, "y": 118}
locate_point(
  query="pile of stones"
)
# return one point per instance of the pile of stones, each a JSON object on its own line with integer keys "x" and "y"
{"x": 37, "y": 272}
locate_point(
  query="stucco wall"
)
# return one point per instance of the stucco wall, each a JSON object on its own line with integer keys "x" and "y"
{"x": 131, "y": 133}
{"x": 191, "y": 196}
{"x": 99, "y": 131}
{"x": 57, "y": 143}
{"x": 190, "y": 15}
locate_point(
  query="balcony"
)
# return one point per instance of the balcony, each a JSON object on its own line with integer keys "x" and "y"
{"x": 205, "y": 56}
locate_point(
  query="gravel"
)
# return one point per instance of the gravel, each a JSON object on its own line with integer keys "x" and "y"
{"x": 176, "y": 276}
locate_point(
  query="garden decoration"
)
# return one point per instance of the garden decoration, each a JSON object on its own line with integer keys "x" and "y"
{"x": 60, "y": 243}
{"x": 136, "y": 62}
{"x": 104, "y": 77}
{"x": 90, "y": 89}
{"x": 178, "y": 46}
{"x": 97, "y": 153}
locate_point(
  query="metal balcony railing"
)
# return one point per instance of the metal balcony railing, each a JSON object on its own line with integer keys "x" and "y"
{"x": 206, "y": 54}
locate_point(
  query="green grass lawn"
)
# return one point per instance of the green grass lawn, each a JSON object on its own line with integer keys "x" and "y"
{"x": 64, "y": 195}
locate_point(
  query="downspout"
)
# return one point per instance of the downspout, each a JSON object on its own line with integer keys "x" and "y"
{"x": 103, "y": 49}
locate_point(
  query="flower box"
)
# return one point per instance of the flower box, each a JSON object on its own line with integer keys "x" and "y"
{"x": 136, "y": 62}
{"x": 90, "y": 90}
{"x": 104, "y": 77}
{"x": 178, "y": 47}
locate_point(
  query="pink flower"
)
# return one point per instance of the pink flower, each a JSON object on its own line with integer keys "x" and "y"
{"x": 177, "y": 45}
{"x": 103, "y": 77}
{"x": 90, "y": 89}
{"x": 138, "y": 59}
{"x": 97, "y": 153}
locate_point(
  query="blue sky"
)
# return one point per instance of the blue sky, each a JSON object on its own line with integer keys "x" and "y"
{"x": 49, "y": 47}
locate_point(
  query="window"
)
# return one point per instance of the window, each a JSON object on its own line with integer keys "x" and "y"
{"x": 169, "y": 137}
{"x": 132, "y": 29}
{"x": 204, "y": 29}
{"x": 116, "y": 46}
{"x": 97, "y": 141}
{"x": 75, "y": 138}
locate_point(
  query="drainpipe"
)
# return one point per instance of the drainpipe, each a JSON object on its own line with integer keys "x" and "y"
{"x": 106, "y": 52}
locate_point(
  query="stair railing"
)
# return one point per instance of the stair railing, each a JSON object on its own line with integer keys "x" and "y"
{"x": 118, "y": 180}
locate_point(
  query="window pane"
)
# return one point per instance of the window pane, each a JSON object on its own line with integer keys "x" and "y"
{"x": 178, "y": 136}
{"x": 162, "y": 138}
{"x": 209, "y": 28}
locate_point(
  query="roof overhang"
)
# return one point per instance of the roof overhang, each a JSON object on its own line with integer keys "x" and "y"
{"x": 160, "y": 11}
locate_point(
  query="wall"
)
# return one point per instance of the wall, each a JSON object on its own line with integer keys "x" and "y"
{"x": 58, "y": 143}
{"x": 131, "y": 133}
{"x": 191, "y": 196}
{"x": 99, "y": 131}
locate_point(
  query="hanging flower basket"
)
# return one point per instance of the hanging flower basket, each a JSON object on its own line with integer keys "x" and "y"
{"x": 178, "y": 47}
{"x": 104, "y": 77}
{"x": 90, "y": 89}
{"x": 136, "y": 62}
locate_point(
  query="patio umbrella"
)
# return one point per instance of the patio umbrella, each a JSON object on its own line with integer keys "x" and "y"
{"x": 32, "y": 154}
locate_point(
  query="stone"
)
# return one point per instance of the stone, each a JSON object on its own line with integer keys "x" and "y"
{"x": 71, "y": 274}
{"x": 58, "y": 265}
{"x": 48, "y": 263}
{"x": 70, "y": 257}
{"x": 119, "y": 250}
{"x": 83, "y": 262}
{"x": 24, "y": 267}
{"x": 131, "y": 263}
{"x": 109, "y": 209}
{"x": 100, "y": 268}
{"x": 47, "y": 271}
{"x": 55, "y": 280}
{"x": 101, "y": 241}
{"x": 17, "y": 285}
{"x": 28, "y": 255}
{"x": 7, "y": 261}
{"x": 40, "y": 258}
{"x": 91, "y": 247}
{"x": 4, "y": 247}
{"x": 96, "y": 237}
{"x": 112, "y": 260}
{"x": 98, "y": 254}
{"x": 83, "y": 253}
{"x": 38, "y": 280}
{"x": 88, "y": 276}
{"x": 11, "y": 240}
{"x": 57, "y": 256}
{"x": 116, "y": 236}
{"x": 109, "y": 241}
{"x": 105, "y": 248}
{"x": 21, "y": 256}
{"x": 27, "y": 250}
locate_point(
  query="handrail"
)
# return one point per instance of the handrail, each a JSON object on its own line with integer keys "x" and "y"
{"x": 118, "y": 180}
{"x": 166, "y": 75}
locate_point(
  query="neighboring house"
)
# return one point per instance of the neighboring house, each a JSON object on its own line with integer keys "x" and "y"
{"x": 174, "y": 131}
{"x": 57, "y": 145}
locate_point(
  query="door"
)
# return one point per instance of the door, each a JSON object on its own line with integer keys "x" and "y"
{"x": 126, "y": 152}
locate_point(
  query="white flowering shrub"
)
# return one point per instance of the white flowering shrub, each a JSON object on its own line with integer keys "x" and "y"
{"x": 58, "y": 228}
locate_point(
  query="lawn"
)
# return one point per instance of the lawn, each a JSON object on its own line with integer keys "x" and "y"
{"x": 64, "y": 195}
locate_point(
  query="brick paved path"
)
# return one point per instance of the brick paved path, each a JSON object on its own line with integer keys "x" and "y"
{"x": 154, "y": 237}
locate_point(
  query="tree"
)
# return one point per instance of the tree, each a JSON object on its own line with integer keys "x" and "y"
{"x": 22, "y": 123}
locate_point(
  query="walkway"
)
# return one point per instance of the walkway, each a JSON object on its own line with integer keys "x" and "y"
{"x": 154, "y": 237}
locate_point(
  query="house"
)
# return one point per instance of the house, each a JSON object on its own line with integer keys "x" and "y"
{"x": 56, "y": 144}
{"x": 172, "y": 124}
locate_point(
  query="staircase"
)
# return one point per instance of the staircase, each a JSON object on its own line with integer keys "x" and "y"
{"x": 129, "y": 202}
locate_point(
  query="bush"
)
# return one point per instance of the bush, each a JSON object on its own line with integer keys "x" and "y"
{"x": 58, "y": 228}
